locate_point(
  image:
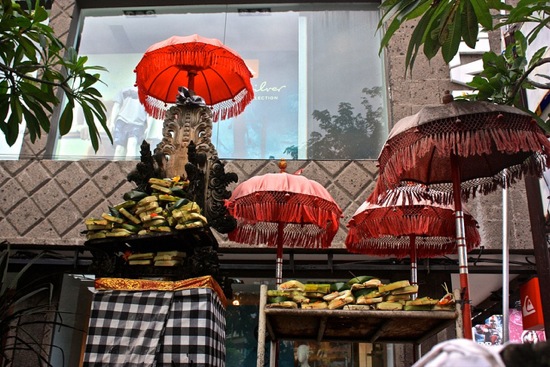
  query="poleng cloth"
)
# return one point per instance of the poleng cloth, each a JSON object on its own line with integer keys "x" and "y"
{"x": 156, "y": 328}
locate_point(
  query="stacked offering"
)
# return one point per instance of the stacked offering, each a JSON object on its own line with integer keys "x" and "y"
{"x": 165, "y": 258}
{"x": 359, "y": 293}
{"x": 165, "y": 210}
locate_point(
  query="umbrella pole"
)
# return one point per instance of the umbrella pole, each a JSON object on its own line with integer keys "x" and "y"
{"x": 505, "y": 267}
{"x": 414, "y": 265}
{"x": 279, "y": 268}
{"x": 279, "y": 277}
{"x": 462, "y": 250}
{"x": 191, "y": 80}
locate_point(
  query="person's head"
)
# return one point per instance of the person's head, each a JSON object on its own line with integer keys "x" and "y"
{"x": 303, "y": 353}
{"x": 526, "y": 355}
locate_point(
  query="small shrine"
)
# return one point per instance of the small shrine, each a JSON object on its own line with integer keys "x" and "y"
{"x": 155, "y": 257}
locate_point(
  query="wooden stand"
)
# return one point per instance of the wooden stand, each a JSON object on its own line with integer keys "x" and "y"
{"x": 370, "y": 326}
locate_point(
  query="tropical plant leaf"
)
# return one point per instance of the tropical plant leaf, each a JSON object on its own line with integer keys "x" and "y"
{"x": 35, "y": 65}
{"x": 520, "y": 44}
{"x": 399, "y": 11}
{"x": 470, "y": 28}
{"x": 449, "y": 48}
{"x": 431, "y": 44}
{"x": 483, "y": 13}
{"x": 418, "y": 38}
{"x": 388, "y": 34}
{"x": 66, "y": 119}
{"x": 499, "y": 5}
{"x": 33, "y": 127}
{"x": 12, "y": 127}
{"x": 537, "y": 56}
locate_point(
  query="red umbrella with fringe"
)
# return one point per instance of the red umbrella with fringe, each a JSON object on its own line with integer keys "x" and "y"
{"x": 459, "y": 149}
{"x": 203, "y": 65}
{"x": 283, "y": 210}
{"x": 412, "y": 226}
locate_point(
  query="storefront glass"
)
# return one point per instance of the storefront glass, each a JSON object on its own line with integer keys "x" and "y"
{"x": 318, "y": 78}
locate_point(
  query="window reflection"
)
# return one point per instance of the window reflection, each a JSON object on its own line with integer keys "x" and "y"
{"x": 318, "y": 78}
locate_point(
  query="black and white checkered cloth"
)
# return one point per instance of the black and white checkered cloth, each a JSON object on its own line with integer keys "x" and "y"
{"x": 195, "y": 331}
{"x": 157, "y": 329}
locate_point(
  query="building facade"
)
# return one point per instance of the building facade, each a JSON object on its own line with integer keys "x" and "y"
{"x": 45, "y": 198}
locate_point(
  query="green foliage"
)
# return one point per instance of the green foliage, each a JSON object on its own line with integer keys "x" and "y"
{"x": 34, "y": 67}
{"x": 535, "y": 11}
{"x": 443, "y": 24}
{"x": 441, "y": 27}
{"x": 346, "y": 134}
{"x": 505, "y": 74}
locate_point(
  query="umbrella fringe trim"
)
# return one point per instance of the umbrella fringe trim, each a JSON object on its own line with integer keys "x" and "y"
{"x": 366, "y": 225}
{"x": 465, "y": 143}
{"x": 183, "y": 55}
{"x": 288, "y": 213}
{"x": 375, "y": 247}
{"x": 258, "y": 234}
{"x": 157, "y": 108}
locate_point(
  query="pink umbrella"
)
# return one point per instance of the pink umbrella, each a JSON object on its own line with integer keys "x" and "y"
{"x": 283, "y": 210}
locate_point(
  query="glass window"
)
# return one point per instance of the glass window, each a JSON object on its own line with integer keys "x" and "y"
{"x": 12, "y": 152}
{"x": 318, "y": 78}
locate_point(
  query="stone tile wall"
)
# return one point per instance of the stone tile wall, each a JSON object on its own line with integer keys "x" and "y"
{"x": 44, "y": 202}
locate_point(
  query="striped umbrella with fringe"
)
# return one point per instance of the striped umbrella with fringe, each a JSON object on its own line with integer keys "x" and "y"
{"x": 461, "y": 148}
{"x": 411, "y": 226}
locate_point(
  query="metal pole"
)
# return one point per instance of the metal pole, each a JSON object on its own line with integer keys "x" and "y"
{"x": 414, "y": 264}
{"x": 261, "y": 327}
{"x": 505, "y": 266}
{"x": 279, "y": 269}
{"x": 462, "y": 249}
{"x": 505, "y": 243}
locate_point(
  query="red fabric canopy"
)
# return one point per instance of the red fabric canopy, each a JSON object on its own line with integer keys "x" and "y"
{"x": 204, "y": 65}
{"x": 485, "y": 137}
{"x": 458, "y": 149}
{"x": 386, "y": 229}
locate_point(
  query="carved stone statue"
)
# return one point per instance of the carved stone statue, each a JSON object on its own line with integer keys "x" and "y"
{"x": 186, "y": 150}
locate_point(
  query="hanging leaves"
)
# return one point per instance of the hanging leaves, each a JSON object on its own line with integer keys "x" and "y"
{"x": 35, "y": 65}
{"x": 505, "y": 74}
{"x": 442, "y": 25}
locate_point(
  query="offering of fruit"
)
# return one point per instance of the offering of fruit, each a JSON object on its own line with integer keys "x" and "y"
{"x": 447, "y": 302}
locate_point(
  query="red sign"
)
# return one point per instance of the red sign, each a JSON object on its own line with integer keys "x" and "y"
{"x": 531, "y": 305}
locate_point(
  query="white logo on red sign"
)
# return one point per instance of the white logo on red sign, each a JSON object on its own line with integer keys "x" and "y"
{"x": 528, "y": 308}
